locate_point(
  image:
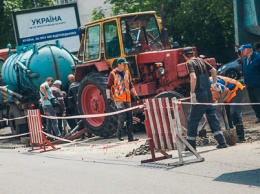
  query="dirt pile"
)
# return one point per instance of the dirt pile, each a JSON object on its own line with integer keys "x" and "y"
{"x": 142, "y": 150}
{"x": 252, "y": 133}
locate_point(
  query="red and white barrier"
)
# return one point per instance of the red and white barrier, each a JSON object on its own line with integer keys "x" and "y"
{"x": 13, "y": 136}
{"x": 164, "y": 129}
{"x": 35, "y": 129}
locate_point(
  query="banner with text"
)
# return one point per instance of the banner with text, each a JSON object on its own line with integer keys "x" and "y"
{"x": 45, "y": 25}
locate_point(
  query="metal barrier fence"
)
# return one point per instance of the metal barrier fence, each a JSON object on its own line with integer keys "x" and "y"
{"x": 37, "y": 138}
{"x": 164, "y": 130}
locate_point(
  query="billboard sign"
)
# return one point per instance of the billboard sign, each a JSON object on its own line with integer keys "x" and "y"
{"x": 45, "y": 25}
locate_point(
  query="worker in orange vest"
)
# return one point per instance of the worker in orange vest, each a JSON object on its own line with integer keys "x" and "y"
{"x": 232, "y": 91}
{"x": 119, "y": 82}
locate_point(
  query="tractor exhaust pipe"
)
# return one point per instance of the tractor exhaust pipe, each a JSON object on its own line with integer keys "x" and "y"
{"x": 164, "y": 32}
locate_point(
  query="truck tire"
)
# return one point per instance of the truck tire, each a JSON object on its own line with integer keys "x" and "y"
{"x": 92, "y": 100}
{"x": 2, "y": 116}
{"x": 17, "y": 126}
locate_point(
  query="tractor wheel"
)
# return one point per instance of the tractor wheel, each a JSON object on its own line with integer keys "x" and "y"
{"x": 169, "y": 94}
{"x": 92, "y": 100}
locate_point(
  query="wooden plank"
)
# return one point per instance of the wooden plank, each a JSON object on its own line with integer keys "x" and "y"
{"x": 150, "y": 118}
{"x": 165, "y": 127}
{"x": 174, "y": 139}
{"x": 155, "y": 107}
{"x": 178, "y": 129}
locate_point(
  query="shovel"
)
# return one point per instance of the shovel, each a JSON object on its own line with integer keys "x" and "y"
{"x": 229, "y": 134}
{"x": 203, "y": 131}
{"x": 65, "y": 126}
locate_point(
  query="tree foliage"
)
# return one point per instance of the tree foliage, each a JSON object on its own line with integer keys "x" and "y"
{"x": 6, "y": 23}
{"x": 97, "y": 13}
{"x": 206, "y": 24}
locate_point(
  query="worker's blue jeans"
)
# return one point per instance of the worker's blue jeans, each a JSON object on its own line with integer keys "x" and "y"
{"x": 196, "y": 113}
{"x": 51, "y": 123}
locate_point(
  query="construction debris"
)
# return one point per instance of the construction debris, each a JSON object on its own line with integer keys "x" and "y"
{"x": 251, "y": 134}
{"x": 142, "y": 150}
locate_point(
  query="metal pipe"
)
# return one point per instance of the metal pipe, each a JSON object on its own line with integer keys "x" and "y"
{"x": 76, "y": 128}
{"x": 13, "y": 94}
{"x": 23, "y": 67}
{"x": 3, "y": 94}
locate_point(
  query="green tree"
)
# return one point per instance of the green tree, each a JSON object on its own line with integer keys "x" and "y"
{"x": 97, "y": 13}
{"x": 6, "y": 23}
{"x": 206, "y": 24}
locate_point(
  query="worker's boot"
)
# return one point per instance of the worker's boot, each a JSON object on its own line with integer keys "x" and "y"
{"x": 240, "y": 133}
{"x": 130, "y": 135}
{"x": 120, "y": 136}
{"x": 192, "y": 143}
{"x": 221, "y": 141}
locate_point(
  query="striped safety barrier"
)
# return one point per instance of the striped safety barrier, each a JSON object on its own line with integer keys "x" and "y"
{"x": 37, "y": 137}
{"x": 164, "y": 129}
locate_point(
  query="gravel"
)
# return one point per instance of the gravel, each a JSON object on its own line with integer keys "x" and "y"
{"x": 142, "y": 150}
{"x": 252, "y": 133}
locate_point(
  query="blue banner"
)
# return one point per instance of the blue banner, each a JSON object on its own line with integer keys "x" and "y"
{"x": 50, "y": 36}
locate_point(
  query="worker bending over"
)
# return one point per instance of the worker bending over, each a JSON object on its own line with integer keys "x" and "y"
{"x": 231, "y": 93}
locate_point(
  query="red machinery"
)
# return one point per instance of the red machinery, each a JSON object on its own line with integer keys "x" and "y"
{"x": 156, "y": 70}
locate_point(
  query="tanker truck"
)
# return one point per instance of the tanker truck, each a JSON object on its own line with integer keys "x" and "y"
{"x": 24, "y": 72}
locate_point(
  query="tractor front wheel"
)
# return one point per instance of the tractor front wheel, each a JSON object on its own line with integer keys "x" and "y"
{"x": 92, "y": 100}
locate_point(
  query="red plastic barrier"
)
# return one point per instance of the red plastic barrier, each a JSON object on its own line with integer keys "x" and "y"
{"x": 36, "y": 136}
{"x": 164, "y": 120}
{"x": 160, "y": 124}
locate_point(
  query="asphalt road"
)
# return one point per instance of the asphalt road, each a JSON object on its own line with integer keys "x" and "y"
{"x": 93, "y": 169}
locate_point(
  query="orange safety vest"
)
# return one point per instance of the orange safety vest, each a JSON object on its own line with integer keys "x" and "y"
{"x": 237, "y": 84}
{"x": 121, "y": 90}
{"x": 233, "y": 92}
{"x": 215, "y": 95}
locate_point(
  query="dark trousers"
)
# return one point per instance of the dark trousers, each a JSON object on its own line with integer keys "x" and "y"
{"x": 254, "y": 96}
{"x": 72, "y": 122}
{"x": 234, "y": 112}
{"x": 196, "y": 113}
{"x": 59, "y": 122}
{"x": 52, "y": 124}
{"x": 126, "y": 116}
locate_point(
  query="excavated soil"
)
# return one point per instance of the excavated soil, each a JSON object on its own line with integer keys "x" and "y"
{"x": 252, "y": 133}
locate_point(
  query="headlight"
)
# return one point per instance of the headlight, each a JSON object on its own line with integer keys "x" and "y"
{"x": 161, "y": 71}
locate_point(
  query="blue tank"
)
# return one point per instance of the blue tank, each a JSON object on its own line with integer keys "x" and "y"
{"x": 31, "y": 65}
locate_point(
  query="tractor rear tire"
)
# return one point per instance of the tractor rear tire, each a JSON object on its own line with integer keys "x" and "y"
{"x": 169, "y": 94}
{"x": 92, "y": 100}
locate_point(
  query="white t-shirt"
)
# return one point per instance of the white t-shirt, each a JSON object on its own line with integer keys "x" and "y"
{"x": 49, "y": 95}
